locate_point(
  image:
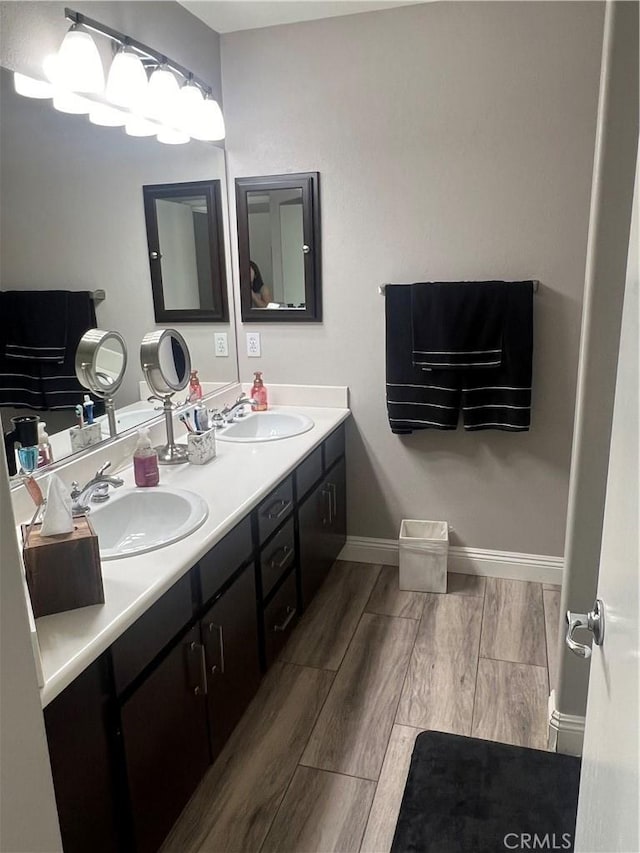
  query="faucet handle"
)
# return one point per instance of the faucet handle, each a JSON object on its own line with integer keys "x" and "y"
{"x": 75, "y": 489}
{"x": 100, "y": 471}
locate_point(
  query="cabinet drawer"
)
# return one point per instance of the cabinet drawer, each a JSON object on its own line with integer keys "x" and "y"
{"x": 277, "y": 557}
{"x": 274, "y": 509}
{"x": 151, "y": 633}
{"x": 280, "y": 618}
{"x": 308, "y": 472}
{"x": 225, "y": 558}
{"x": 334, "y": 447}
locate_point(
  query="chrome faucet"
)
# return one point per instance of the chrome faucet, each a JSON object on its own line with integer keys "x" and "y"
{"x": 96, "y": 490}
{"x": 230, "y": 412}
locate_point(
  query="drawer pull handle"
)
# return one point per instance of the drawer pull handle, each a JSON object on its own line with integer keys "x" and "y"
{"x": 271, "y": 511}
{"x": 291, "y": 612}
{"x": 287, "y": 552}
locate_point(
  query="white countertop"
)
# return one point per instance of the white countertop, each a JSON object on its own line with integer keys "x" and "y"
{"x": 232, "y": 484}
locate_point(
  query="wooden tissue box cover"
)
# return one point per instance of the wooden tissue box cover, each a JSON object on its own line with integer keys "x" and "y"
{"x": 63, "y": 572}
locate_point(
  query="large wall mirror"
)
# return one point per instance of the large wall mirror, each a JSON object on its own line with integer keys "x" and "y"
{"x": 72, "y": 220}
{"x": 279, "y": 247}
{"x": 186, "y": 252}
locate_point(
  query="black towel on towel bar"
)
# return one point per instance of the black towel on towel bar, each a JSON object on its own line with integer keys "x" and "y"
{"x": 491, "y": 398}
{"x": 458, "y": 325}
{"x": 36, "y": 325}
{"x": 415, "y": 400}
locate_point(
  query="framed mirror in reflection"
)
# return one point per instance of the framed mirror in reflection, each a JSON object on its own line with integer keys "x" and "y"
{"x": 87, "y": 233}
{"x": 186, "y": 252}
{"x": 279, "y": 247}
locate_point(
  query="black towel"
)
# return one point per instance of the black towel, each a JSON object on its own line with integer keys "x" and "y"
{"x": 458, "y": 325}
{"x": 416, "y": 399}
{"x": 36, "y": 324}
{"x": 42, "y": 384}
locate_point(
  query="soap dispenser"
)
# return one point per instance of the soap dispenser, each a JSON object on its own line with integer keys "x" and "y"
{"x": 195, "y": 388}
{"x": 258, "y": 394}
{"x": 145, "y": 461}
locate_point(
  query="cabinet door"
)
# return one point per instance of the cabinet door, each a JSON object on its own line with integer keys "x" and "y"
{"x": 314, "y": 518}
{"x": 230, "y": 636}
{"x": 81, "y": 749}
{"x": 164, "y": 729}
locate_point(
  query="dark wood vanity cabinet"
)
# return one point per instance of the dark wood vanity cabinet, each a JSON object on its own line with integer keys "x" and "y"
{"x": 166, "y": 741}
{"x": 133, "y": 735}
{"x": 230, "y": 640}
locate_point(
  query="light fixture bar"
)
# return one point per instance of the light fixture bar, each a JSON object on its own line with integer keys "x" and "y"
{"x": 146, "y": 51}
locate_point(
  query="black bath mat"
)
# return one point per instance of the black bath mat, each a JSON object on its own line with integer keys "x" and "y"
{"x": 465, "y": 795}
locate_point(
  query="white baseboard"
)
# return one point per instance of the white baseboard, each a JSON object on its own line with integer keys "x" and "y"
{"x": 469, "y": 561}
{"x": 566, "y": 731}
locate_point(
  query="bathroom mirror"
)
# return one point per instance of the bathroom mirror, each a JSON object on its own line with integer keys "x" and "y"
{"x": 91, "y": 237}
{"x": 166, "y": 365}
{"x": 279, "y": 248}
{"x": 186, "y": 252}
{"x": 165, "y": 361}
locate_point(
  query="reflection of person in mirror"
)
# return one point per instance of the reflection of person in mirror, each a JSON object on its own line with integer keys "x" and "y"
{"x": 260, "y": 293}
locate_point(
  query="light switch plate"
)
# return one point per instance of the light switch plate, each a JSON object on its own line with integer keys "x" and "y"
{"x": 221, "y": 344}
{"x": 253, "y": 345}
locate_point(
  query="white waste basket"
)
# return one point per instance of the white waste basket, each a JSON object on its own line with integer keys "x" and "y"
{"x": 424, "y": 547}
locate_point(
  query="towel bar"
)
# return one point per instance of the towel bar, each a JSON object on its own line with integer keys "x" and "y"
{"x": 98, "y": 296}
{"x": 536, "y": 285}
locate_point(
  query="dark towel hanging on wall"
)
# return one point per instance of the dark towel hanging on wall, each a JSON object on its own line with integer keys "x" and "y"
{"x": 36, "y": 327}
{"x": 458, "y": 325}
{"x": 36, "y": 383}
{"x": 495, "y": 397}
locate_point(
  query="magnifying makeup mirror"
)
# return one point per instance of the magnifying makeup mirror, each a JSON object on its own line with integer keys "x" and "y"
{"x": 166, "y": 365}
{"x": 101, "y": 360}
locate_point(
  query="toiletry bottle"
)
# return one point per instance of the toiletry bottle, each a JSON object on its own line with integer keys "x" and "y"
{"x": 145, "y": 461}
{"x": 258, "y": 394}
{"x": 87, "y": 405}
{"x": 195, "y": 388}
{"x": 201, "y": 416}
{"x": 45, "y": 453}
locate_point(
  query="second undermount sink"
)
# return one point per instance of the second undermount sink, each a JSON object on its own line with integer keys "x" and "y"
{"x": 266, "y": 426}
{"x": 126, "y": 420}
{"x": 134, "y": 521}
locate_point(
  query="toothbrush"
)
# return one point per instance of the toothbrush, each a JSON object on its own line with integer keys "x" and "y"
{"x": 184, "y": 417}
{"x": 79, "y": 415}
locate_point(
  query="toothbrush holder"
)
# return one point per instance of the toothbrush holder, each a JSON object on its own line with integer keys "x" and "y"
{"x": 201, "y": 447}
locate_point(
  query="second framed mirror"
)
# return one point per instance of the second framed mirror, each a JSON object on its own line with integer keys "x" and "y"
{"x": 279, "y": 248}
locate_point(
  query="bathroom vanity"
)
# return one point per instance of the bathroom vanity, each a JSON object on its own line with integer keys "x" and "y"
{"x": 161, "y": 696}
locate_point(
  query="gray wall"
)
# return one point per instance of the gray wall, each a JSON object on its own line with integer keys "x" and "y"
{"x": 454, "y": 141}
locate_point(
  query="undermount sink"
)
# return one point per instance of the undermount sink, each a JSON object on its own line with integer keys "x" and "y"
{"x": 266, "y": 426}
{"x": 134, "y": 521}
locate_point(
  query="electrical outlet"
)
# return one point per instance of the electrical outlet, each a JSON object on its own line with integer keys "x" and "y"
{"x": 221, "y": 343}
{"x": 253, "y": 345}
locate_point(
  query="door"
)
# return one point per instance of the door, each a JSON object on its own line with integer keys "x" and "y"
{"x": 166, "y": 742}
{"x": 230, "y": 637}
{"x": 314, "y": 520}
{"x": 609, "y": 785}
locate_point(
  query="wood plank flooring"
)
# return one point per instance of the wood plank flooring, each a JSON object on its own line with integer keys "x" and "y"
{"x": 320, "y": 759}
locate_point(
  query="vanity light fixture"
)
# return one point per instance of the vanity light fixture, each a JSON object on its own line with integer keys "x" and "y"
{"x": 79, "y": 67}
{"x": 143, "y": 91}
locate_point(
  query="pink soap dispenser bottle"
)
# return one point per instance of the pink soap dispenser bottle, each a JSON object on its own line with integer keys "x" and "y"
{"x": 258, "y": 394}
{"x": 145, "y": 461}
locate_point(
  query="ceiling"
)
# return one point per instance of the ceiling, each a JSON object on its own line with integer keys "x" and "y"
{"x": 226, "y": 16}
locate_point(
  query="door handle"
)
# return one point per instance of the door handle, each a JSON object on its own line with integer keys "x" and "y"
{"x": 213, "y": 627}
{"x": 201, "y": 688}
{"x": 334, "y": 500}
{"x": 326, "y": 493}
{"x": 592, "y": 621}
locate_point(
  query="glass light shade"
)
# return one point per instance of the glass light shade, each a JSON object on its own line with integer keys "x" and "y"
{"x": 69, "y": 102}
{"x": 127, "y": 80}
{"x": 107, "y": 116}
{"x": 29, "y": 87}
{"x": 210, "y": 123}
{"x": 172, "y": 137}
{"x": 79, "y": 64}
{"x": 138, "y": 126}
{"x": 161, "y": 96}
{"x": 187, "y": 108}
{"x": 50, "y": 67}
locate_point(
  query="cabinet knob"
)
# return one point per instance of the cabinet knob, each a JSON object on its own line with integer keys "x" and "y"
{"x": 196, "y": 690}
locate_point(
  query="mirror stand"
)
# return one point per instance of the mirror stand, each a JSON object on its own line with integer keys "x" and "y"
{"x": 169, "y": 453}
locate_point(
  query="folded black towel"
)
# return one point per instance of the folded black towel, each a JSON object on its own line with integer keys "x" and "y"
{"x": 458, "y": 325}
{"x": 415, "y": 400}
{"x": 36, "y": 327}
{"x": 45, "y": 384}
